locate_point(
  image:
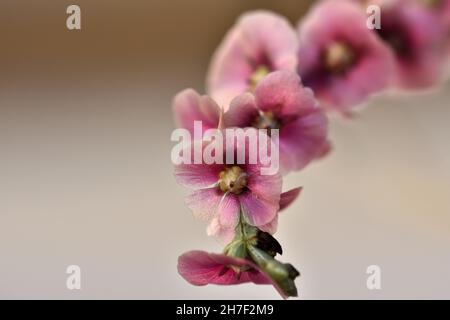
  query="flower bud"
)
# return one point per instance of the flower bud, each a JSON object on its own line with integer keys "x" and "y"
{"x": 282, "y": 274}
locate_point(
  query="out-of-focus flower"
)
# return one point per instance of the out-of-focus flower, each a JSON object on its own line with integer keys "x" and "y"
{"x": 189, "y": 106}
{"x": 339, "y": 57}
{"x": 259, "y": 42}
{"x": 281, "y": 102}
{"x": 222, "y": 192}
{"x": 417, "y": 39}
{"x": 440, "y": 9}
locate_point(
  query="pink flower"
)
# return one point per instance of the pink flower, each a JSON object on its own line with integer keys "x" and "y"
{"x": 416, "y": 37}
{"x": 222, "y": 192}
{"x": 189, "y": 106}
{"x": 201, "y": 268}
{"x": 281, "y": 102}
{"x": 250, "y": 257}
{"x": 340, "y": 59}
{"x": 260, "y": 42}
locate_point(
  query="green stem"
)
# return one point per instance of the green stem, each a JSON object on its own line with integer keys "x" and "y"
{"x": 244, "y": 245}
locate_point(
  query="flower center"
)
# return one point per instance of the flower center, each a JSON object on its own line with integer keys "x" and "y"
{"x": 339, "y": 57}
{"x": 260, "y": 72}
{"x": 232, "y": 179}
{"x": 266, "y": 120}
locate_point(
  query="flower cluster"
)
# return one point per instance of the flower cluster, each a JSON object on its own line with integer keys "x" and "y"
{"x": 268, "y": 75}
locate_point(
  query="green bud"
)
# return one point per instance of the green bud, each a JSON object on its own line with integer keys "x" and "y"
{"x": 282, "y": 274}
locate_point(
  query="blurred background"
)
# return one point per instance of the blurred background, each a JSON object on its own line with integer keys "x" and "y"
{"x": 86, "y": 177}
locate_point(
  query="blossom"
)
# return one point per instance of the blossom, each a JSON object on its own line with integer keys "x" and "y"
{"x": 259, "y": 42}
{"x": 281, "y": 102}
{"x": 416, "y": 37}
{"x": 201, "y": 268}
{"x": 223, "y": 192}
{"x": 340, "y": 59}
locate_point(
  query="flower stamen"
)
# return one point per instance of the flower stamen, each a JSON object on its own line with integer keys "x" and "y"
{"x": 339, "y": 58}
{"x": 260, "y": 72}
{"x": 233, "y": 179}
{"x": 266, "y": 120}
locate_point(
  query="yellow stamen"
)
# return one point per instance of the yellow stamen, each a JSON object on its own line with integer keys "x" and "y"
{"x": 232, "y": 179}
{"x": 257, "y": 76}
{"x": 338, "y": 58}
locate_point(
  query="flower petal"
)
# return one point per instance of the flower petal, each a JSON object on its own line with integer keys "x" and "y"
{"x": 201, "y": 268}
{"x": 267, "y": 187}
{"x": 270, "y": 227}
{"x": 282, "y": 93}
{"x": 228, "y": 211}
{"x": 288, "y": 197}
{"x": 223, "y": 234}
{"x": 303, "y": 140}
{"x": 189, "y": 106}
{"x": 257, "y": 211}
{"x": 242, "y": 111}
{"x": 204, "y": 202}
{"x": 272, "y": 33}
{"x": 197, "y": 175}
{"x": 194, "y": 175}
{"x": 225, "y": 218}
{"x": 286, "y": 200}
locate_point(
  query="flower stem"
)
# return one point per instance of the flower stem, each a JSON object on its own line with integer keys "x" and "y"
{"x": 260, "y": 247}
